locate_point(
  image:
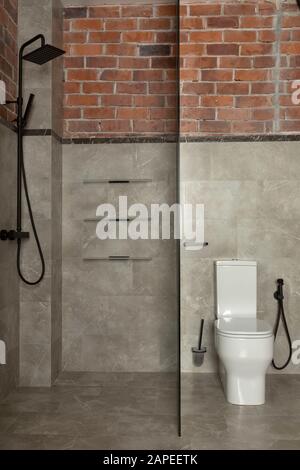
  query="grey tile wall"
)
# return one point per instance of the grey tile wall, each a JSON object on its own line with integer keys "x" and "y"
{"x": 251, "y": 194}
{"x": 117, "y": 316}
{"x": 40, "y": 306}
{"x": 9, "y": 284}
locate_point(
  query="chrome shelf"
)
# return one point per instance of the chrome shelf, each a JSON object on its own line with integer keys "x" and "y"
{"x": 116, "y": 181}
{"x": 117, "y": 258}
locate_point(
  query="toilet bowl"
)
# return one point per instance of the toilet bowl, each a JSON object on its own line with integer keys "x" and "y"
{"x": 244, "y": 344}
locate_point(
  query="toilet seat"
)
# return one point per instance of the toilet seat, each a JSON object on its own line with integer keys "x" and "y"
{"x": 246, "y": 327}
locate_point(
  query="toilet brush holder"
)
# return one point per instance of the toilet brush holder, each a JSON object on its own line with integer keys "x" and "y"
{"x": 198, "y": 356}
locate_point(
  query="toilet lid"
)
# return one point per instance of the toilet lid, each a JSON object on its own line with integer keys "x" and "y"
{"x": 243, "y": 326}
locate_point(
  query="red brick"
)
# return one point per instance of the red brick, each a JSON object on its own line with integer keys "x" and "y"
{"x": 172, "y": 101}
{"x": 256, "y": 49}
{"x": 154, "y": 23}
{"x": 120, "y": 24}
{"x": 82, "y": 74}
{"x": 205, "y": 36}
{"x": 71, "y": 87}
{"x": 248, "y": 127}
{"x": 255, "y": 75}
{"x": 171, "y": 126}
{"x": 264, "y": 62}
{"x": 131, "y": 88}
{"x": 121, "y": 49}
{"x": 138, "y": 36}
{"x": 189, "y": 75}
{"x": 165, "y": 10}
{"x": 135, "y": 11}
{"x": 234, "y": 9}
{"x": 191, "y": 23}
{"x": 101, "y": 62}
{"x": 266, "y": 8}
{"x": 147, "y": 75}
{"x": 235, "y": 62}
{"x": 132, "y": 113}
{"x": 290, "y": 126}
{"x": 205, "y": 10}
{"x": 67, "y": 25}
{"x": 99, "y": 113}
{"x": 216, "y": 75}
{"x": 188, "y": 127}
{"x": 267, "y": 36}
{"x": 87, "y": 25}
{"x": 115, "y": 100}
{"x": 82, "y": 100}
{"x": 134, "y": 63}
{"x": 83, "y": 126}
{"x": 86, "y": 50}
{"x": 215, "y": 127}
{"x": 163, "y": 62}
{"x": 263, "y": 114}
{"x": 163, "y": 113}
{"x": 262, "y": 88}
{"x": 116, "y": 75}
{"x": 240, "y": 36}
{"x": 171, "y": 75}
{"x": 290, "y": 48}
{"x": 189, "y": 101}
{"x": 234, "y": 114}
{"x": 255, "y": 22}
{"x": 104, "y": 36}
{"x": 191, "y": 49}
{"x": 72, "y": 113}
{"x": 198, "y": 88}
{"x": 75, "y": 38}
{"x": 223, "y": 49}
{"x": 291, "y": 21}
{"x": 216, "y": 101}
{"x": 156, "y": 126}
{"x": 223, "y": 22}
{"x": 98, "y": 87}
{"x": 289, "y": 74}
{"x": 253, "y": 101}
{"x": 198, "y": 113}
{"x": 74, "y": 62}
{"x": 235, "y": 88}
{"x": 166, "y": 37}
{"x": 200, "y": 62}
{"x": 116, "y": 126}
{"x": 149, "y": 101}
{"x": 162, "y": 88}
{"x": 104, "y": 12}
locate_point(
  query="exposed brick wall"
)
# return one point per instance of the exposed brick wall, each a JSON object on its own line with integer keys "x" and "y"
{"x": 238, "y": 62}
{"x": 120, "y": 75}
{"x": 8, "y": 52}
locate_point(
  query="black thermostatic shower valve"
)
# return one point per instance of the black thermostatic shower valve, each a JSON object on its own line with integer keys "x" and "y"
{"x": 12, "y": 235}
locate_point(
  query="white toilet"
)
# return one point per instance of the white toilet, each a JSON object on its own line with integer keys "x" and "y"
{"x": 244, "y": 344}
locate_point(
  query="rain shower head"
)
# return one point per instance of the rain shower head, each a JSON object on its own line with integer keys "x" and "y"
{"x": 43, "y": 54}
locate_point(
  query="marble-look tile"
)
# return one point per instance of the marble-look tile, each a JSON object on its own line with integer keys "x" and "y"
{"x": 9, "y": 284}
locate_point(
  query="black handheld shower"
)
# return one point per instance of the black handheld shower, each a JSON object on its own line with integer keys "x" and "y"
{"x": 43, "y": 54}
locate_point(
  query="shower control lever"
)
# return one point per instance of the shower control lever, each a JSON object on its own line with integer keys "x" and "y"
{"x": 12, "y": 235}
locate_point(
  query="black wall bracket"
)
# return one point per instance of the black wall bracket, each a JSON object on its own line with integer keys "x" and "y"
{"x": 12, "y": 235}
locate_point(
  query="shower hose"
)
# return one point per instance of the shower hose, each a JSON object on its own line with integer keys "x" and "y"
{"x": 30, "y": 283}
{"x": 281, "y": 316}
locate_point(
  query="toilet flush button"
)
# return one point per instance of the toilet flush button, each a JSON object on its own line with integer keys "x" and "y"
{"x": 2, "y": 353}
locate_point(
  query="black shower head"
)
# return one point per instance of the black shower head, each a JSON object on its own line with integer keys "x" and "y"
{"x": 43, "y": 54}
